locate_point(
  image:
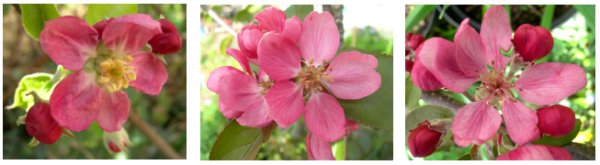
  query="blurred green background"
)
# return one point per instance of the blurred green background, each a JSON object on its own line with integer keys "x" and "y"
{"x": 573, "y": 29}
{"x": 371, "y": 36}
{"x": 165, "y": 114}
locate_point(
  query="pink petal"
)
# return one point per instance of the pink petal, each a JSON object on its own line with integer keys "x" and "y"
{"x": 114, "y": 110}
{"x": 248, "y": 40}
{"x": 227, "y": 112}
{"x": 437, "y": 55}
{"x": 353, "y": 75}
{"x": 550, "y": 82}
{"x": 257, "y": 115}
{"x": 475, "y": 123}
{"x": 521, "y": 122}
{"x": 423, "y": 78}
{"x": 271, "y": 19}
{"x": 537, "y": 152}
{"x": 325, "y": 117}
{"x": 218, "y": 75}
{"x": 76, "y": 101}
{"x": 279, "y": 57}
{"x": 241, "y": 58}
{"x": 130, "y": 33}
{"x": 293, "y": 28}
{"x": 533, "y": 42}
{"x": 470, "y": 51}
{"x": 318, "y": 149}
{"x": 69, "y": 41}
{"x": 150, "y": 73}
{"x": 496, "y": 34}
{"x": 320, "y": 38}
{"x": 239, "y": 91}
{"x": 99, "y": 26}
{"x": 286, "y": 102}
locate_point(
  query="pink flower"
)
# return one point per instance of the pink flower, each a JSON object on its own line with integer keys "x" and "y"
{"x": 40, "y": 124}
{"x": 460, "y": 64}
{"x": 536, "y": 152}
{"x": 423, "y": 140}
{"x": 102, "y": 66}
{"x": 319, "y": 149}
{"x": 556, "y": 120}
{"x": 311, "y": 70}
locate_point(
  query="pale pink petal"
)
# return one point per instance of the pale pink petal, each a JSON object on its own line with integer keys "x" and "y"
{"x": 496, "y": 34}
{"x": 320, "y": 38}
{"x": 239, "y": 91}
{"x": 437, "y": 55}
{"x": 521, "y": 122}
{"x": 537, "y": 152}
{"x": 279, "y": 57}
{"x": 318, "y": 149}
{"x": 293, "y": 28}
{"x": 129, "y": 33}
{"x": 325, "y": 117}
{"x": 352, "y": 75}
{"x": 241, "y": 58}
{"x": 248, "y": 40}
{"x": 69, "y": 41}
{"x": 76, "y": 101}
{"x": 286, "y": 102}
{"x": 271, "y": 19}
{"x": 469, "y": 50}
{"x": 423, "y": 78}
{"x": 475, "y": 123}
{"x": 114, "y": 110}
{"x": 257, "y": 115}
{"x": 218, "y": 75}
{"x": 550, "y": 82}
{"x": 150, "y": 73}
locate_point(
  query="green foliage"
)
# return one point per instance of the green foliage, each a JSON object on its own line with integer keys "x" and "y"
{"x": 34, "y": 17}
{"x": 98, "y": 12}
{"x": 298, "y": 10}
{"x": 237, "y": 142}
{"x": 560, "y": 141}
{"x": 417, "y": 14}
{"x": 39, "y": 83}
{"x": 412, "y": 95}
{"x": 427, "y": 112}
{"x": 547, "y": 17}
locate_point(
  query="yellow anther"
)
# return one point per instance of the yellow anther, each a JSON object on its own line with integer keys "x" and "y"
{"x": 115, "y": 73}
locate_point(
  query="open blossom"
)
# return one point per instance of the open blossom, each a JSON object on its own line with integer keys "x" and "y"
{"x": 40, "y": 124}
{"x": 104, "y": 59}
{"x": 460, "y": 64}
{"x": 310, "y": 69}
{"x": 537, "y": 152}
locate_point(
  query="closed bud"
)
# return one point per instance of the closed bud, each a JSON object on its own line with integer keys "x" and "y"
{"x": 423, "y": 140}
{"x": 556, "y": 120}
{"x": 40, "y": 124}
{"x": 533, "y": 42}
{"x": 169, "y": 41}
{"x": 116, "y": 142}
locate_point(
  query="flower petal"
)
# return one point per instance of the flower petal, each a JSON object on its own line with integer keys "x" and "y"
{"x": 69, "y": 41}
{"x": 130, "y": 33}
{"x": 248, "y": 40}
{"x": 241, "y": 58}
{"x": 75, "y": 101}
{"x": 325, "y": 117}
{"x": 537, "y": 152}
{"x": 218, "y": 75}
{"x": 320, "y": 38}
{"x": 286, "y": 102}
{"x": 99, "y": 26}
{"x": 278, "y": 56}
{"x": 521, "y": 122}
{"x": 239, "y": 91}
{"x": 318, "y": 149}
{"x": 423, "y": 78}
{"x": 271, "y": 19}
{"x": 353, "y": 75}
{"x": 470, "y": 51}
{"x": 293, "y": 28}
{"x": 114, "y": 110}
{"x": 550, "y": 82}
{"x": 227, "y": 112}
{"x": 437, "y": 55}
{"x": 257, "y": 115}
{"x": 150, "y": 73}
{"x": 475, "y": 123}
{"x": 496, "y": 34}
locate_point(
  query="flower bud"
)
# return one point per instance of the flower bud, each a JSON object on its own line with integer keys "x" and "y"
{"x": 556, "y": 120}
{"x": 116, "y": 142}
{"x": 533, "y": 42}
{"x": 169, "y": 41}
{"x": 40, "y": 124}
{"x": 423, "y": 140}
{"x": 413, "y": 41}
{"x": 167, "y": 26}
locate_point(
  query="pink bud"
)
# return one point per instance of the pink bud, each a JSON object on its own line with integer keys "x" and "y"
{"x": 99, "y": 26}
{"x": 533, "y": 42}
{"x": 423, "y": 140}
{"x": 169, "y": 41}
{"x": 40, "y": 124}
{"x": 556, "y": 120}
{"x": 248, "y": 40}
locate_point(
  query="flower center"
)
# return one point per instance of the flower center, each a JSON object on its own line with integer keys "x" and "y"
{"x": 494, "y": 85}
{"x": 265, "y": 86}
{"x": 310, "y": 78}
{"x": 113, "y": 71}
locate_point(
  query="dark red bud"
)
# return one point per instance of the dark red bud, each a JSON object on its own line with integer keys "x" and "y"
{"x": 167, "y": 26}
{"x": 533, "y": 42}
{"x": 99, "y": 26}
{"x": 423, "y": 140}
{"x": 556, "y": 120}
{"x": 409, "y": 65}
{"x": 414, "y": 40}
{"x": 40, "y": 124}
{"x": 166, "y": 43}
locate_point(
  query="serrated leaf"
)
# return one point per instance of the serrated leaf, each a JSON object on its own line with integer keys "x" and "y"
{"x": 34, "y": 16}
{"x": 561, "y": 141}
{"x": 375, "y": 110}
{"x": 40, "y": 83}
{"x": 98, "y": 12}
{"x": 298, "y": 10}
{"x": 427, "y": 112}
{"x": 237, "y": 142}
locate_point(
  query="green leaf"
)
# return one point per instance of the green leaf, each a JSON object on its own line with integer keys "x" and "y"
{"x": 375, "y": 110}
{"x": 548, "y": 17}
{"x": 412, "y": 95}
{"x": 35, "y": 16}
{"x": 237, "y": 142}
{"x": 561, "y": 141}
{"x": 589, "y": 13}
{"x": 339, "y": 149}
{"x": 417, "y": 14}
{"x": 36, "y": 82}
{"x": 465, "y": 157}
{"x": 98, "y": 12}
{"x": 225, "y": 43}
{"x": 427, "y": 112}
{"x": 298, "y": 10}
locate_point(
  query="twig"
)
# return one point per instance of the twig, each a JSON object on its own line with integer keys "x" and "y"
{"x": 218, "y": 19}
{"x": 153, "y": 136}
{"x": 437, "y": 98}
